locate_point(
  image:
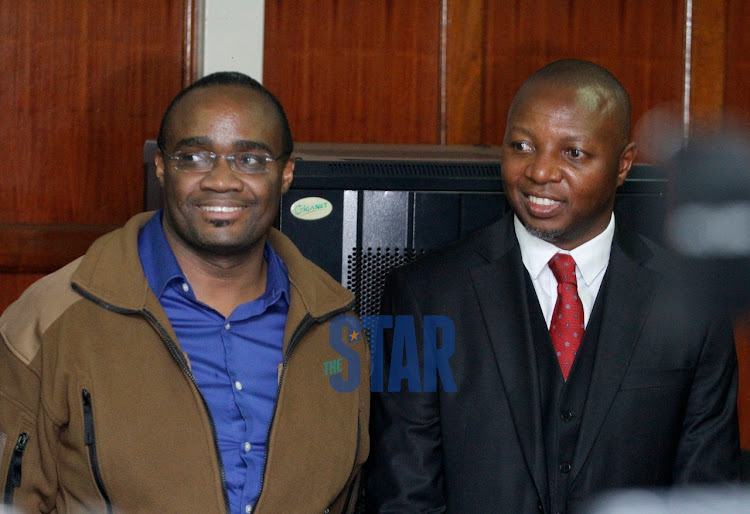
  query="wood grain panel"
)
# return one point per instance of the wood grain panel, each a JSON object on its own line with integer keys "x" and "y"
{"x": 85, "y": 84}
{"x": 737, "y": 92}
{"x": 13, "y": 284}
{"x": 38, "y": 248}
{"x": 89, "y": 83}
{"x": 640, "y": 41}
{"x": 355, "y": 70}
{"x": 464, "y": 95}
{"x": 708, "y": 65}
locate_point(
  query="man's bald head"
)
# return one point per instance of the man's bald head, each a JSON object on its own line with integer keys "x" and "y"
{"x": 586, "y": 77}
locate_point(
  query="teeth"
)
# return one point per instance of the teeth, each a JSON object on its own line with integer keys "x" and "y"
{"x": 542, "y": 201}
{"x": 211, "y": 208}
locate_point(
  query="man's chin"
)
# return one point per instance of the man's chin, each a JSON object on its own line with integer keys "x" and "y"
{"x": 545, "y": 235}
{"x": 226, "y": 246}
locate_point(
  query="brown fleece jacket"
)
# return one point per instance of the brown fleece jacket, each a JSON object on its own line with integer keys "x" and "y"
{"x": 92, "y": 372}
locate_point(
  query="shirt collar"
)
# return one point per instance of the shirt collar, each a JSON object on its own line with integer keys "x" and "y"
{"x": 160, "y": 265}
{"x": 591, "y": 257}
{"x": 157, "y": 259}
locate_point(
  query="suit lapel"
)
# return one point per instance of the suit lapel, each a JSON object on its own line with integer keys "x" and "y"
{"x": 500, "y": 290}
{"x": 627, "y": 292}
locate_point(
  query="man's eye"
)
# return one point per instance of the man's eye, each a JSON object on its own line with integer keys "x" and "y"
{"x": 194, "y": 157}
{"x": 575, "y": 153}
{"x": 520, "y": 146}
{"x": 250, "y": 159}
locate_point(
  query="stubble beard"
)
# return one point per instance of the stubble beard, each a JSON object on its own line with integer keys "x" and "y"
{"x": 545, "y": 235}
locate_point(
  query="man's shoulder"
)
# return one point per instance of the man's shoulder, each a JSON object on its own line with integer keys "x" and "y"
{"x": 690, "y": 284}
{"x": 24, "y": 321}
{"x": 477, "y": 248}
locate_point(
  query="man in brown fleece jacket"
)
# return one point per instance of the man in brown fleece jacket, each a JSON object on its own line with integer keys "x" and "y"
{"x": 179, "y": 364}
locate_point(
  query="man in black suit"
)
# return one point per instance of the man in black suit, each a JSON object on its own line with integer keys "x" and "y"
{"x": 551, "y": 410}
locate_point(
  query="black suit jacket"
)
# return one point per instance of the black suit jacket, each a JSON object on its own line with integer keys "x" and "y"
{"x": 661, "y": 407}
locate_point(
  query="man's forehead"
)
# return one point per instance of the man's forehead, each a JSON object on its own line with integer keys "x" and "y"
{"x": 588, "y": 105}
{"x": 589, "y": 97}
{"x": 593, "y": 98}
{"x": 221, "y": 106}
{"x": 245, "y": 99}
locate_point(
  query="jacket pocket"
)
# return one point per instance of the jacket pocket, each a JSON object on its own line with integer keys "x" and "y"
{"x": 90, "y": 439}
{"x": 14, "y": 468}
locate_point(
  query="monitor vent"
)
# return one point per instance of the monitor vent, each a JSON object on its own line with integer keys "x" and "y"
{"x": 415, "y": 169}
{"x": 366, "y": 270}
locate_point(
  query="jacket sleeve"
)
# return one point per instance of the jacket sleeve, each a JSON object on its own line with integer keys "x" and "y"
{"x": 22, "y": 329}
{"x": 21, "y": 472}
{"x": 19, "y": 389}
{"x": 405, "y": 470}
{"x": 709, "y": 449}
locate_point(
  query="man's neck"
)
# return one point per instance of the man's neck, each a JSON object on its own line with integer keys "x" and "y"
{"x": 224, "y": 282}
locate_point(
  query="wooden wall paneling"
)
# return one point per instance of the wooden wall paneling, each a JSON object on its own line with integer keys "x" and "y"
{"x": 13, "y": 284}
{"x": 737, "y": 73}
{"x": 355, "y": 70}
{"x": 463, "y": 98}
{"x": 85, "y": 84}
{"x": 640, "y": 41}
{"x": 45, "y": 247}
{"x": 707, "y": 65}
{"x": 192, "y": 57}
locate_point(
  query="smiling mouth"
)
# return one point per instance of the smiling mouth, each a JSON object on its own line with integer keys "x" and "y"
{"x": 544, "y": 202}
{"x": 217, "y": 208}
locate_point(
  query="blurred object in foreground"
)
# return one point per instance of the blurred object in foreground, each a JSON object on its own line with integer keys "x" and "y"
{"x": 698, "y": 500}
{"x": 711, "y": 197}
{"x": 709, "y": 222}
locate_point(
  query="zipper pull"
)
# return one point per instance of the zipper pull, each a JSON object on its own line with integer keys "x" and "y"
{"x": 23, "y": 440}
{"x": 88, "y": 422}
{"x": 15, "y": 460}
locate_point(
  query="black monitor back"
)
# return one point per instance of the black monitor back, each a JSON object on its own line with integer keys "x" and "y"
{"x": 385, "y": 205}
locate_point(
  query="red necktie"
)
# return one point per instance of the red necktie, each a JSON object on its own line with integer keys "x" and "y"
{"x": 566, "y": 328}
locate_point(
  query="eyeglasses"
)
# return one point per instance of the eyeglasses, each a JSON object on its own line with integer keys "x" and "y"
{"x": 204, "y": 161}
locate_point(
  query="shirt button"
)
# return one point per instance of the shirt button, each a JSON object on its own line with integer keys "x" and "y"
{"x": 566, "y": 415}
{"x": 228, "y": 326}
{"x": 565, "y": 467}
{"x": 248, "y": 446}
{"x": 185, "y": 287}
{"x": 539, "y": 507}
{"x": 238, "y": 385}
{"x": 248, "y": 509}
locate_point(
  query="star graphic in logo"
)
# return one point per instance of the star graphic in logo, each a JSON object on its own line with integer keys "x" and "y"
{"x": 354, "y": 336}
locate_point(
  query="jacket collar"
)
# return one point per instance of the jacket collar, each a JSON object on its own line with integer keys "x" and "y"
{"x": 111, "y": 273}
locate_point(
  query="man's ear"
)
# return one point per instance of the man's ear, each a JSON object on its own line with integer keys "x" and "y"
{"x": 159, "y": 162}
{"x": 287, "y": 175}
{"x": 627, "y": 157}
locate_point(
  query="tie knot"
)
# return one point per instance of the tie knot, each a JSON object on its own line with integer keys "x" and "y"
{"x": 564, "y": 268}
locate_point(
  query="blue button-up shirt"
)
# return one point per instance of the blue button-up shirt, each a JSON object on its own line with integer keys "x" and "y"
{"x": 235, "y": 360}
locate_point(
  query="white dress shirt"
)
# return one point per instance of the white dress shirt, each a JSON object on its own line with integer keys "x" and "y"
{"x": 591, "y": 259}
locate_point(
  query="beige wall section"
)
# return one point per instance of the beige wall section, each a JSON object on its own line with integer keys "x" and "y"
{"x": 233, "y": 36}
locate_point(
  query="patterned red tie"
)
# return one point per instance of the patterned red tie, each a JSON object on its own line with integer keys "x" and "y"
{"x": 566, "y": 328}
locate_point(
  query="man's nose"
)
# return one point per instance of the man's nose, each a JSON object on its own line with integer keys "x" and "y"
{"x": 544, "y": 168}
{"x": 222, "y": 177}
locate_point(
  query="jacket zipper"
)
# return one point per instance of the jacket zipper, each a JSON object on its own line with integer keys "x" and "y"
{"x": 307, "y": 322}
{"x": 90, "y": 438}
{"x": 304, "y": 325}
{"x": 14, "y": 470}
{"x": 180, "y": 359}
{"x": 352, "y": 476}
